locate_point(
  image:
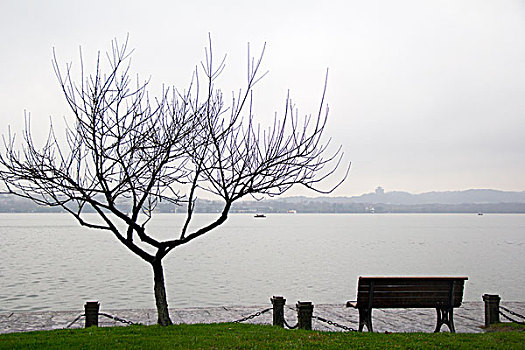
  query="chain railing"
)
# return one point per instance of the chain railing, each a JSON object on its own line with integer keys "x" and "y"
{"x": 290, "y": 327}
{"x": 303, "y": 309}
{"x": 118, "y": 319}
{"x": 252, "y": 316}
{"x": 321, "y": 319}
{"x": 75, "y": 320}
{"x": 304, "y": 315}
{"x": 335, "y": 324}
{"x": 512, "y": 313}
{"x": 286, "y": 324}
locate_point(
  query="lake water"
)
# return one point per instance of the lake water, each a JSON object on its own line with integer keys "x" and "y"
{"x": 49, "y": 262}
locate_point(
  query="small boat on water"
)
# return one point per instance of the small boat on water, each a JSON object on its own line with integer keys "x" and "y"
{"x": 259, "y": 216}
{"x": 480, "y": 213}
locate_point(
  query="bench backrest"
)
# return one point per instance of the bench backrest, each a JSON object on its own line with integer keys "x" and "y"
{"x": 410, "y": 292}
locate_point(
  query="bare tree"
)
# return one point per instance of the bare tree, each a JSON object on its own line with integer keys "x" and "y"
{"x": 127, "y": 148}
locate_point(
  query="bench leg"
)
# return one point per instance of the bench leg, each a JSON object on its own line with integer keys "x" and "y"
{"x": 365, "y": 319}
{"x": 445, "y": 316}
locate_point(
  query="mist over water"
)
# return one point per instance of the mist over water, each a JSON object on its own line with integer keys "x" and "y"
{"x": 49, "y": 262}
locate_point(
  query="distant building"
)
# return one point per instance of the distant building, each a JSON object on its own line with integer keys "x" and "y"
{"x": 380, "y": 190}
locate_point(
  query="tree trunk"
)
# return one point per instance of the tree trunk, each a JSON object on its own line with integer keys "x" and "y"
{"x": 160, "y": 295}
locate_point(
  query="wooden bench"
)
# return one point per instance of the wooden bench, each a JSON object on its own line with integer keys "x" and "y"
{"x": 441, "y": 293}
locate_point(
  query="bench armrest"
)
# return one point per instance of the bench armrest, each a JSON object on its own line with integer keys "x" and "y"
{"x": 351, "y": 304}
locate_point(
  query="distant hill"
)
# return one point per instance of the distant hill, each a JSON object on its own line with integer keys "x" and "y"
{"x": 469, "y": 201}
{"x": 473, "y": 196}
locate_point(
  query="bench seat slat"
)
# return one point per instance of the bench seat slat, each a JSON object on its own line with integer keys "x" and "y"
{"x": 411, "y": 280}
{"x": 407, "y": 303}
{"x": 412, "y": 291}
{"x": 425, "y": 284}
{"x": 401, "y": 287}
{"x": 409, "y": 295}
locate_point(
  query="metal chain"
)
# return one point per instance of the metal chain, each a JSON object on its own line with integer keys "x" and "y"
{"x": 512, "y": 312}
{"x": 335, "y": 324}
{"x": 332, "y": 323}
{"x": 290, "y": 327}
{"x": 106, "y": 315}
{"x": 511, "y": 319}
{"x": 75, "y": 320}
{"x": 118, "y": 319}
{"x": 257, "y": 314}
{"x": 286, "y": 323}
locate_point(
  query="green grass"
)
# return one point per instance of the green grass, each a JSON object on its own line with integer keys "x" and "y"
{"x": 247, "y": 336}
{"x": 505, "y": 327}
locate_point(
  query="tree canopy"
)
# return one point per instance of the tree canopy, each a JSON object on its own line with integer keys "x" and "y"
{"x": 128, "y": 147}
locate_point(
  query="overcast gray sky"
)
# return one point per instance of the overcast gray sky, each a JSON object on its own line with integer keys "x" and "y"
{"x": 423, "y": 95}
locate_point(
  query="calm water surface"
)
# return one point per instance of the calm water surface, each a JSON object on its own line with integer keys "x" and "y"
{"x": 49, "y": 262}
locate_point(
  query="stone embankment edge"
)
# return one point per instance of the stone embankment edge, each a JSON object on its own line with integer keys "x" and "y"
{"x": 469, "y": 318}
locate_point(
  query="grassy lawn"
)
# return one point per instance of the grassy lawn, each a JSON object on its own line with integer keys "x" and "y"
{"x": 247, "y": 336}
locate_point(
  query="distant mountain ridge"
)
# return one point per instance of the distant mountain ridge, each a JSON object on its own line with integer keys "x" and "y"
{"x": 468, "y": 201}
{"x": 471, "y": 196}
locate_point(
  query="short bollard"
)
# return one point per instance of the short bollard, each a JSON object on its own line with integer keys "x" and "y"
{"x": 91, "y": 311}
{"x": 491, "y": 308}
{"x": 305, "y": 310}
{"x": 278, "y": 310}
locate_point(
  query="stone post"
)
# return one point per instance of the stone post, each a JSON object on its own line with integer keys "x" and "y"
{"x": 278, "y": 310}
{"x": 91, "y": 311}
{"x": 304, "y": 314}
{"x": 491, "y": 308}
